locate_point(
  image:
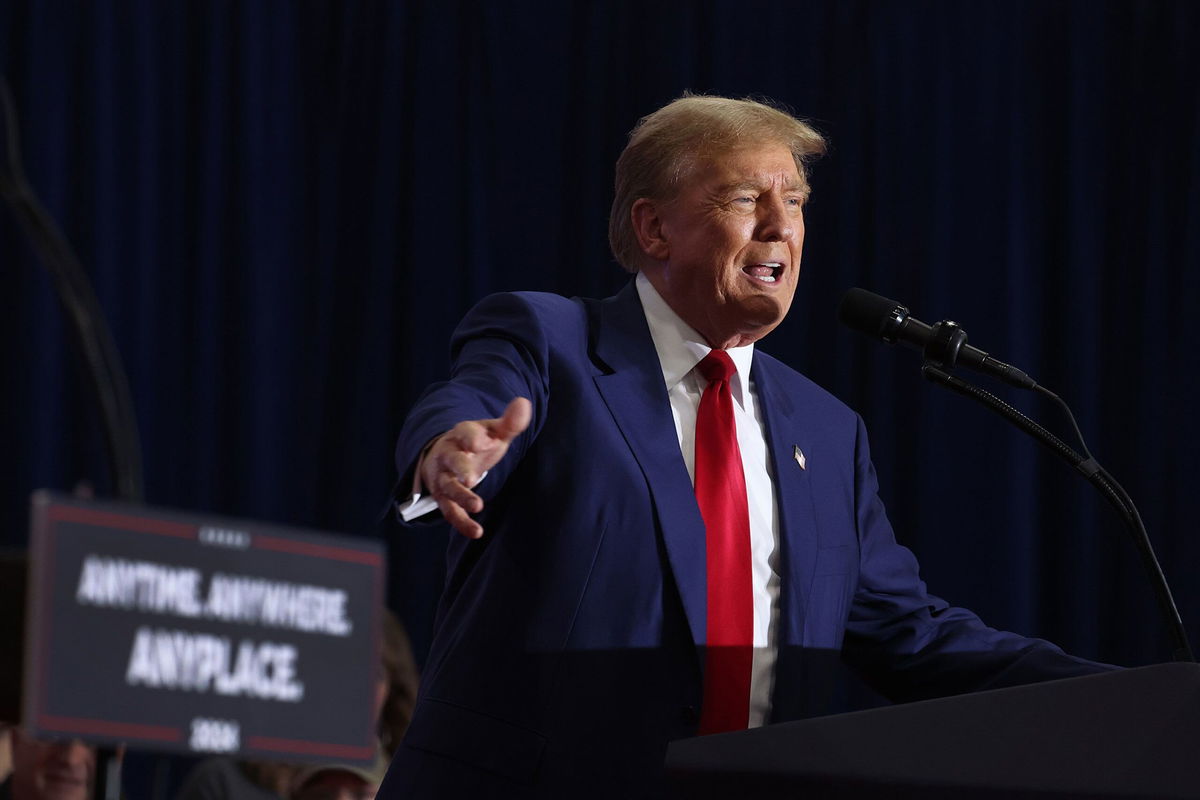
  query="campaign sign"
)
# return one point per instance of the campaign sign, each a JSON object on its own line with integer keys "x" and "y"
{"x": 174, "y": 632}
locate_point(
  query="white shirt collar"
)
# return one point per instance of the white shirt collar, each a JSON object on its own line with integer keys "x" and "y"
{"x": 680, "y": 348}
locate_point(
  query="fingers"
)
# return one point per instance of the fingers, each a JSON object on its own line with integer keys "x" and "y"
{"x": 492, "y": 436}
{"x": 456, "y": 502}
{"x": 471, "y": 448}
{"x": 459, "y": 519}
{"x": 514, "y": 420}
{"x": 457, "y": 460}
{"x": 449, "y": 486}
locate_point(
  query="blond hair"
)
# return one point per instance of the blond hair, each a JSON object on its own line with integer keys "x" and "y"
{"x": 665, "y": 144}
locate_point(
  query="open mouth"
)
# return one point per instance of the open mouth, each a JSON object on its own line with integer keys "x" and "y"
{"x": 768, "y": 272}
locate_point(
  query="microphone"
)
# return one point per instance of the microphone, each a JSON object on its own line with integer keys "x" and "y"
{"x": 944, "y": 343}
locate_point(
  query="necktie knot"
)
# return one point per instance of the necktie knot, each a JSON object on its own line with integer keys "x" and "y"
{"x": 717, "y": 366}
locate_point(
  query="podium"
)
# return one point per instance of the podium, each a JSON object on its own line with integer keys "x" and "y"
{"x": 1128, "y": 734}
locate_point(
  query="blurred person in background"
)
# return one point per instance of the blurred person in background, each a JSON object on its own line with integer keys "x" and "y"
{"x": 340, "y": 781}
{"x": 395, "y": 696}
{"x": 31, "y": 768}
{"x": 45, "y": 769}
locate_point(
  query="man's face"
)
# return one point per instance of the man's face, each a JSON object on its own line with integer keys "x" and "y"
{"x": 58, "y": 770}
{"x": 726, "y": 250}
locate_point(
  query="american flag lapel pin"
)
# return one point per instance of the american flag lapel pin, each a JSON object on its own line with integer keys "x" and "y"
{"x": 798, "y": 454}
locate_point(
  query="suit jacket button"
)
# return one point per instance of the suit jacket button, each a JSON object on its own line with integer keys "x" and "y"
{"x": 689, "y": 715}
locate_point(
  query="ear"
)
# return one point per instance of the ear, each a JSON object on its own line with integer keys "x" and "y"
{"x": 648, "y": 227}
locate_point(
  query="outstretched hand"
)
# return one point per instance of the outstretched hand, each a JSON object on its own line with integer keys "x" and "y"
{"x": 458, "y": 458}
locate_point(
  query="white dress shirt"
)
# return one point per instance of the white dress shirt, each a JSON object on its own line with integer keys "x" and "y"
{"x": 680, "y": 349}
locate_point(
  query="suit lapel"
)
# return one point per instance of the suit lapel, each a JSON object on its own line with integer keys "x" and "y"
{"x": 786, "y": 431}
{"x": 634, "y": 391}
{"x": 632, "y": 387}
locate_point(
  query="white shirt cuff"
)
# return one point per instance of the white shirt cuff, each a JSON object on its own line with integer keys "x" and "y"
{"x": 419, "y": 505}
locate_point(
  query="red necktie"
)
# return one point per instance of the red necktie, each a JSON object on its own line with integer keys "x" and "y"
{"x": 721, "y": 494}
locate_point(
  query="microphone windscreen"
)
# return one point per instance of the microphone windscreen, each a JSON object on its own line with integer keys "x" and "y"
{"x": 868, "y": 312}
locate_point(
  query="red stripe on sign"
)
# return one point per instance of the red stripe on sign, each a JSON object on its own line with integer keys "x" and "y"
{"x": 317, "y": 550}
{"x": 123, "y": 730}
{"x": 107, "y": 519}
{"x": 310, "y": 748}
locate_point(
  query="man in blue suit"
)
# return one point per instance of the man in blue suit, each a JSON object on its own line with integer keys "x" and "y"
{"x": 577, "y": 632}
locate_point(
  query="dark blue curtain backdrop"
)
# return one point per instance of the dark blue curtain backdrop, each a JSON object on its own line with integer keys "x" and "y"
{"x": 285, "y": 207}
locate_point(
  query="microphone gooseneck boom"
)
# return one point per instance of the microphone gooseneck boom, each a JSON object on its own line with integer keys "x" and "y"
{"x": 944, "y": 346}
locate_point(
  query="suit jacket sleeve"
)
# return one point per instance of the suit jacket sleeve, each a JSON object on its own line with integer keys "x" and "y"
{"x": 912, "y": 645}
{"x": 498, "y": 352}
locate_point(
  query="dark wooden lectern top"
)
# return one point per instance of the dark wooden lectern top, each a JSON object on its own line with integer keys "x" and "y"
{"x": 1128, "y": 734}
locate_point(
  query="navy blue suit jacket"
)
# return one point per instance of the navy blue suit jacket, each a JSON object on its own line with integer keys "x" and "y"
{"x": 568, "y": 643}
